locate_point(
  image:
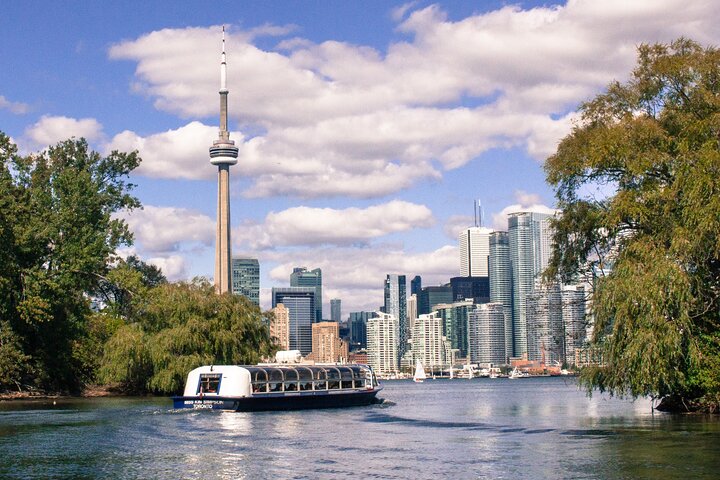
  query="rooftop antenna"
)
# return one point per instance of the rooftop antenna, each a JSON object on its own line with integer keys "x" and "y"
{"x": 477, "y": 207}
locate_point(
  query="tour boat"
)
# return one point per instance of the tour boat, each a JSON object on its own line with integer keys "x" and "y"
{"x": 278, "y": 387}
{"x": 419, "y": 372}
{"x": 517, "y": 374}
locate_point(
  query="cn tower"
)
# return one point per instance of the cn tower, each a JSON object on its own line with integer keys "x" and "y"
{"x": 223, "y": 153}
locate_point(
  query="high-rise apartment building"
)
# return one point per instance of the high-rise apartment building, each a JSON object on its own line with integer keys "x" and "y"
{"x": 545, "y": 336}
{"x": 280, "y": 326}
{"x": 396, "y": 305}
{"x": 455, "y": 324}
{"x": 246, "y": 278}
{"x": 302, "y": 277}
{"x": 428, "y": 343}
{"x": 300, "y": 302}
{"x": 529, "y": 239}
{"x": 474, "y": 245}
{"x": 574, "y": 321}
{"x": 500, "y": 271}
{"x": 336, "y": 310}
{"x": 412, "y": 309}
{"x": 382, "y": 343}
{"x": 486, "y": 334}
{"x": 326, "y": 343}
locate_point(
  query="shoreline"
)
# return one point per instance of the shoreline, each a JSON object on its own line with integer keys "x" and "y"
{"x": 94, "y": 391}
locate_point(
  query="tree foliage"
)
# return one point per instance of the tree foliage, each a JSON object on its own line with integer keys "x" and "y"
{"x": 654, "y": 144}
{"x": 183, "y": 326}
{"x": 58, "y": 235}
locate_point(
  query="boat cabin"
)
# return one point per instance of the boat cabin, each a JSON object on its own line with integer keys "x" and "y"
{"x": 245, "y": 381}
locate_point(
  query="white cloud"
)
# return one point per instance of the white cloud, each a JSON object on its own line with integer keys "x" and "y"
{"x": 174, "y": 267}
{"x": 50, "y": 130}
{"x": 165, "y": 229}
{"x": 376, "y": 122}
{"x": 181, "y": 153}
{"x": 328, "y": 226}
{"x": 17, "y": 108}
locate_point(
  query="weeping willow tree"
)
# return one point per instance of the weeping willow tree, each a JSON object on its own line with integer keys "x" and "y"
{"x": 654, "y": 143}
{"x": 179, "y": 327}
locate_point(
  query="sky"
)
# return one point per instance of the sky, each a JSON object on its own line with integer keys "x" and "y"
{"x": 367, "y": 130}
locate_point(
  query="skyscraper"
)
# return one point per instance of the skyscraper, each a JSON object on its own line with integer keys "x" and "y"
{"x": 455, "y": 323}
{"x": 382, "y": 343}
{"x": 529, "y": 239}
{"x": 336, "y": 310}
{"x": 280, "y": 326}
{"x": 486, "y": 334}
{"x": 543, "y": 311}
{"x": 416, "y": 285}
{"x": 574, "y": 322}
{"x": 301, "y": 277}
{"x": 223, "y": 153}
{"x": 358, "y": 329}
{"x": 500, "y": 271}
{"x": 431, "y": 296}
{"x": 246, "y": 278}
{"x": 396, "y": 304}
{"x": 300, "y": 302}
{"x": 474, "y": 250}
{"x": 428, "y": 342}
{"x": 326, "y": 343}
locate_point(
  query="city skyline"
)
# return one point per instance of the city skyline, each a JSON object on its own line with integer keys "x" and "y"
{"x": 361, "y": 146}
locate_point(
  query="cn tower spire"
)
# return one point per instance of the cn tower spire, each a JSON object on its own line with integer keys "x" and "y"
{"x": 223, "y": 153}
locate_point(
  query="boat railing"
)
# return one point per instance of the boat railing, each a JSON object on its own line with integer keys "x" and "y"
{"x": 266, "y": 379}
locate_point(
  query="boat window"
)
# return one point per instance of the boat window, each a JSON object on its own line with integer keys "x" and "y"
{"x": 209, "y": 383}
{"x": 346, "y": 377}
{"x": 260, "y": 387}
{"x": 306, "y": 377}
{"x": 275, "y": 386}
{"x": 320, "y": 379}
{"x": 333, "y": 378}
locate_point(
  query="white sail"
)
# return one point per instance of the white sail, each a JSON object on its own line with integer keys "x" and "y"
{"x": 419, "y": 372}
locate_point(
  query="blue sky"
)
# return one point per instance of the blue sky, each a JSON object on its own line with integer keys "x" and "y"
{"x": 366, "y": 129}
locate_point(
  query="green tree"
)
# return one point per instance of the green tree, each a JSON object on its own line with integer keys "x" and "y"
{"x": 59, "y": 235}
{"x": 654, "y": 143}
{"x": 180, "y": 327}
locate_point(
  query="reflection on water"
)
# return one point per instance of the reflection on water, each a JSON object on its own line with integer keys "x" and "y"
{"x": 531, "y": 428}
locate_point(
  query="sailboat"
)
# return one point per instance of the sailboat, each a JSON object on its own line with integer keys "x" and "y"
{"x": 419, "y": 372}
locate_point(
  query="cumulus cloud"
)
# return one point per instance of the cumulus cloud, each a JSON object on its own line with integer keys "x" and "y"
{"x": 50, "y": 130}
{"x": 435, "y": 100}
{"x": 327, "y": 226}
{"x": 526, "y": 202}
{"x": 17, "y": 108}
{"x": 166, "y": 229}
{"x": 456, "y": 224}
{"x": 174, "y": 267}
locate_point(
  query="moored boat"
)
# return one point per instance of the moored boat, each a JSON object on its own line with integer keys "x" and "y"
{"x": 278, "y": 387}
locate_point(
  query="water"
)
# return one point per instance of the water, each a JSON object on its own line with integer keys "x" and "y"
{"x": 482, "y": 428}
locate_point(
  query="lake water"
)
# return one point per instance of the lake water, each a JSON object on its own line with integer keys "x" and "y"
{"x": 481, "y": 428}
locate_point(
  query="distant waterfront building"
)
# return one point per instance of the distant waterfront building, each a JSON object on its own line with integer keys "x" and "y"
{"x": 474, "y": 245}
{"x": 280, "y": 326}
{"x": 574, "y": 320}
{"x": 428, "y": 342}
{"x": 326, "y": 343}
{"x": 529, "y": 239}
{"x": 500, "y": 271}
{"x": 302, "y": 277}
{"x": 412, "y": 310}
{"x": 431, "y": 296}
{"x": 300, "y": 301}
{"x": 486, "y": 334}
{"x": 546, "y": 339}
{"x": 476, "y": 288}
{"x": 455, "y": 323}
{"x": 396, "y": 304}
{"x": 336, "y": 310}
{"x": 415, "y": 285}
{"x": 358, "y": 329}
{"x": 246, "y": 278}
{"x": 382, "y": 343}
